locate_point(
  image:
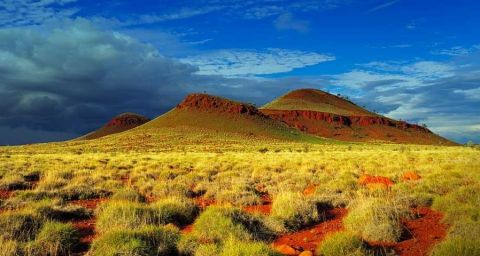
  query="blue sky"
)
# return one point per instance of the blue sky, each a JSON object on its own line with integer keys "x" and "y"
{"x": 67, "y": 66}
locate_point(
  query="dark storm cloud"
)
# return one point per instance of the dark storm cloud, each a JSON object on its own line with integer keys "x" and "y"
{"x": 76, "y": 77}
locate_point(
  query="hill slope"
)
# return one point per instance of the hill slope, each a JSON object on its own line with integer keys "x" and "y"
{"x": 120, "y": 123}
{"x": 320, "y": 113}
{"x": 210, "y": 116}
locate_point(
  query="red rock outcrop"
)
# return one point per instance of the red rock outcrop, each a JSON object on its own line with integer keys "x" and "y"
{"x": 205, "y": 102}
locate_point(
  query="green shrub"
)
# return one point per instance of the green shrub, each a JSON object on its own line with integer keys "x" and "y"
{"x": 9, "y": 247}
{"x": 55, "y": 210}
{"x": 218, "y": 223}
{"x": 148, "y": 240}
{"x": 180, "y": 211}
{"x": 56, "y": 238}
{"x": 342, "y": 243}
{"x": 457, "y": 246}
{"x": 123, "y": 215}
{"x": 233, "y": 247}
{"x": 19, "y": 226}
{"x": 463, "y": 239}
{"x": 128, "y": 215}
{"x": 128, "y": 195}
{"x": 294, "y": 209}
{"x": 377, "y": 219}
{"x": 13, "y": 181}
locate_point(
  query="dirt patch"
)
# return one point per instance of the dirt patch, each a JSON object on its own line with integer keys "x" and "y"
{"x": 264, "y": 208}
{"x": 309, "y": 190}
{"x": 204, "y": 202}
{"x": 86, "y": 228}
{"x": 309, "y": 238}
{"x": 424, "y": 232}
{"x": 410, "y": 176}
{"x": 5, "y": 194}
{"x": 91, "y": 204}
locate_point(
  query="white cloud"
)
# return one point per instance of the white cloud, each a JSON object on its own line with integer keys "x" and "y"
{"x": 456, "y": 50}
{"x": 382, "y": 6}
{"x": 250, "y": 62}
{"x": 473, "y": 94}
{"x": 286, "y": 21}
{"x": 34, "y": 12}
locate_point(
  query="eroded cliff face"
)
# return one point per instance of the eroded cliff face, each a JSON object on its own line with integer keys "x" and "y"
{"x": 295, "y": 118}
{"x": 356, "y": 128}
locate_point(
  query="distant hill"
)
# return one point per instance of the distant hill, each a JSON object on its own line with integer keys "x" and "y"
{"x": 326, "y": 115}
{"x": 120, "y": 123}
{"x": 206, "y": 114}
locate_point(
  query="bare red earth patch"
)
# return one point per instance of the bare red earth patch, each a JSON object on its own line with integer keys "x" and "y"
{"x": 5, "y": 194}
{"x": 89, "y": 203}
{"x": 204, "y": 202}
{"x": 264, "y": 208}
{"x": 310, "y": 238}
{"x": 425, "y": 231}
{"x": 86, "y": 227}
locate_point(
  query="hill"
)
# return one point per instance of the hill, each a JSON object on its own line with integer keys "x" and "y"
{"x": 120, "y": 123}
{"x": 207, "y": 115}
{"x": 326, "y": 115}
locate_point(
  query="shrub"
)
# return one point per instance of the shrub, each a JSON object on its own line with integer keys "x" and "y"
{"x": 128, "y": 195}
{"x": 54, "y": 210}
{"x": 180, "y": 211}
{"x": 125, "y": 214}
{"x": 457, "y": 246}
{"x": 294, "y": 210}
{"x": 463, "y": 239}
{"x": 9, "y": 247}
{"x": 56, "y": 238}
{"x": 342, "y": 243}
{"x": 218, "y": 223}
{"x": 19, "y": 226}
{"x": 148, "y": 240}
{"x": 377, "y": 219}
{"x": 13, "y": 181}
{"x": 233, "y": 247}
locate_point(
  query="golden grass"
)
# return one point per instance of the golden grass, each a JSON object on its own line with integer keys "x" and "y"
{"x": 237, "y": 172}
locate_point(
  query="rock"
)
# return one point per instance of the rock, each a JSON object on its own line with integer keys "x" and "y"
{"x": 306, "y": 253}
{"x": 286, "y": 250}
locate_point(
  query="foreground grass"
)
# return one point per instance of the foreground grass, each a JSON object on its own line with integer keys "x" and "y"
{"x": 233, "y": 177}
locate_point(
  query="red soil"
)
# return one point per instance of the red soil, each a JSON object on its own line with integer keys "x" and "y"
{"x": 365, "y": 180}
{"x": 263, "y": 209}
{"x": 86, "y": 227}
{"x": 187, "y": 229}
{"x": 89, "y": 203}
{"x": 356, "y": 128}
{"x": 408, "y": 176}
{"x": 5, "y": 194}
{"x": 309, "y": 190}
{"x": 204, "y": 202}
{"x": 309, "y": 238}
{"x": 425, "y": 231}
{"x": 204, "y": 102}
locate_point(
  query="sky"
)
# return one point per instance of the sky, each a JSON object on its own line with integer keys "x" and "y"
{"x": 68, "y": 66}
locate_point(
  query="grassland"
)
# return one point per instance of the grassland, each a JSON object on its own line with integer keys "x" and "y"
{"x": 153, "y": 193}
